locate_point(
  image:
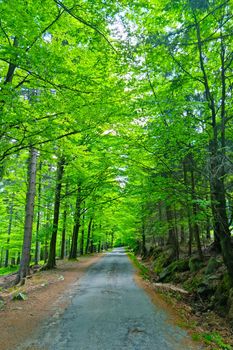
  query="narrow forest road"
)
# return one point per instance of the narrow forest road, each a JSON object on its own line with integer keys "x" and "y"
{"x": 108, "y": 311}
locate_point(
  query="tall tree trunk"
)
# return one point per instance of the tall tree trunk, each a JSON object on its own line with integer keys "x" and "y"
{"x": 92, "y": 238}
{"x": 217, "y": 157}
{"x": 30, "y": 199}
{"x": 161, "y": 239}
{"x": 99, "y": 246}
{"x": 143, "y": 249}
{"x": 195, "y": 213}
{"x": 37, "y": 257}
{"x": 82, "y": 236}
{"x": 88, "y": 236}
{"x": 9, "y": 232}
{"x": 46, "y": 253}
{"x": 112, "y": 239}
{"x": 182, "y": 235}
{"x": 190, "y": 227}
{"x": 1, "y": 257}
{"x": 172, "y": 235}
{"x": 63, "y": 238}
{"x": 220, "y": 220}
{"x": 52, "y": 249}
{"x": 208, "y": 228}
{"x": 77, "y": 215}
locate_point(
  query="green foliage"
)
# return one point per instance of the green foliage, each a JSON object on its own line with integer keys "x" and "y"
{"x": 168, "y": 273}
{"x": 192, "y": 283}
{"x": 215, "y": 339}
{"x": 8, "y": 270}
{"x": 125, "y": 92}
{"x": 19, "y": 296}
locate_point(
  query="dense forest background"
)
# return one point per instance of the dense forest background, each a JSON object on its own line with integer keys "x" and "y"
{"x": 116, "y": 129}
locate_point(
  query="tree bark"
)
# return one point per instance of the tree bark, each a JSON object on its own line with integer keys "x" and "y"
{"x": 30, "y": 199}
{"x": 63, "y": 239}
{"x": 46, "y": 253}
{"x": 172, "y": 235}
{"x": 77, "y": 216}
{"x": 88, "y": 236}
{"x": 82, "y": 236}
{"x": 143, "y": 250}
{"x": 37, "y": 258}
{"x": 196, "y": 229}
{"x": 217, "y": 157}
{"x": 9, "y": 232}
{"x": 52, "y": 249}
{"x": 190, "y": 227}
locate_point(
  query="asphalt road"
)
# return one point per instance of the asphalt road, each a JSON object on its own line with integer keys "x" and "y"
{"x": 108, "y": 311}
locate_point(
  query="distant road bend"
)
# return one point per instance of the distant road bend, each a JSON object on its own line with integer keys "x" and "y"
{"x": 108, "y": 311}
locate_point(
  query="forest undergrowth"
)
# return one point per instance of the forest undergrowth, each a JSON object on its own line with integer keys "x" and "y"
{"x": 197, "y": 291}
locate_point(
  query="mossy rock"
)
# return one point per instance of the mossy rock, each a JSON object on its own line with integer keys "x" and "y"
{"x": 195, "y": 264}
{"x": 160, "y": 262}
{"x": 221, "y": 299}
{"x": 165, "y": 275}
{"x": 170, "y": 272}
{"x": 181, "y": 265}
{"x": 208, "y": 286}
{"x": 213, "y": 265}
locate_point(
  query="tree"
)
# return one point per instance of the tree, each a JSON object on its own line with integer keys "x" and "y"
{"x": 52, "y": 248}
{"x": 29, "y": 212}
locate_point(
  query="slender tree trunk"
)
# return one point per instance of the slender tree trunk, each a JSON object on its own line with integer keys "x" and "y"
{"x": 220, "y": 220}
{"x": 77, "y": 215}
{"x": 46, "y": 253}
{"x": 82, "y": 236}
{"x": 30, "y": 198}
{"x": 182, "y": 235}
{"x": 92, "y": 236}
{"x": 143, "y": 250}
{"x": 37, "y": 257}
{"x": 190, "y": 227}
{"x": 1, "y": 257}
{"x": 88, "y": 236}
{"x": 92, "y": 246}
{"x": 99, "y": 246}
{"x": 208, "y": 228}
{"x": 9, "y": 232}
{"x": 63, "y": 238}
{"x": 172, "y": 236}
{"x": 161, "y": 239}
{"x": 52, "y": 249}
{"x": 18, "y": 259}
{"x": 217, "y": 158}
{"x": 195, "y": 212}
{"x": 112, "y": 239}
